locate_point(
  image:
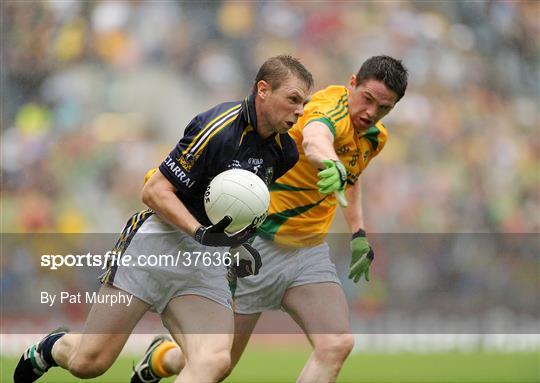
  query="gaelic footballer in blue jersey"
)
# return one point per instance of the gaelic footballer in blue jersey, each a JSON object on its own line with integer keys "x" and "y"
{"x": 194, "y": 301}
{"x": 225, "y": 137}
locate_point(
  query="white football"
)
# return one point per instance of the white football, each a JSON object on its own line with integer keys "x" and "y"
{"x": 240, "y": 194}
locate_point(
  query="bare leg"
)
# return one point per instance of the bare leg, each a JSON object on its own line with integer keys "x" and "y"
{"x": 204, "y": 331}
{"x": 106, "y": 331}
{"x": 174, "y": 361}
{"x": 243, "y": 327}
{"x": 328, "y": 329}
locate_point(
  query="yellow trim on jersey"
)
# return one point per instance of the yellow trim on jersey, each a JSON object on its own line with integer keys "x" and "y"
{"x": 214, "y": 132}
{"x": 209, "y": 127}
{"x": 246, "y": 100}
{"x": 278, "y": 140}
{"x": 248, "y": 129}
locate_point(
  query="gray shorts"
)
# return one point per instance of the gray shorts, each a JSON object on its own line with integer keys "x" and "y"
{"x": 282, "y": 268}
{"x": 172, "y": 276}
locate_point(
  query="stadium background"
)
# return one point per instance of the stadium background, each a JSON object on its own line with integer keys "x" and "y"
{"x": 95, "y": 93}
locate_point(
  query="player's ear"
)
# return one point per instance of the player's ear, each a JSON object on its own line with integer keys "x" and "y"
{"x": 263, "y": 89}
{"x": 352, "y": 82}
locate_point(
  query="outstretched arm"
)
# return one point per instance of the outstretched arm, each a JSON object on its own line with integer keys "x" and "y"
{"x": 354, "y": 213}
{"x": 318, "y": 145}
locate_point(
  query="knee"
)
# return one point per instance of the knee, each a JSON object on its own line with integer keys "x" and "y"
{"x": 234, "y": 358}
{"x": 227, "y": 372}
{"x": 334, "y": 348}
{"x": 216, "y": 364}
{"x": 87, "y": 366}
{"x": 221, "y": 363}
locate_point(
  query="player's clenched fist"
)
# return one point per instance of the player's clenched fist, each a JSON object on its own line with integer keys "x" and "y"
{"x": 333, "y": 179}
{"x": 361, "y": 257}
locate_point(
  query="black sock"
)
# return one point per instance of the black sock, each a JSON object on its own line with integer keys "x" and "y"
{"x": 46, "y": 348}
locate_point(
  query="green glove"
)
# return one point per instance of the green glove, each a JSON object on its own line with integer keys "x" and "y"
{"x": 361, "y": 257}
{"x": 333, "y": 179}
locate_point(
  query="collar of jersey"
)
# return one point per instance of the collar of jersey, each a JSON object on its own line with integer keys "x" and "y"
{"x": 250, "y": 116}
{"x": 248, "y": 111}
{"x": 248, "y": 129}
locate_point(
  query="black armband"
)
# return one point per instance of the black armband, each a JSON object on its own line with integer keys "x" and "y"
{"x": 359, "y": 233}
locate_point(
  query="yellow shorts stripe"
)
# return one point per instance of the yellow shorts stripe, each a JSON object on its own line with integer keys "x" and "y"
{"x": 133, "y": 224}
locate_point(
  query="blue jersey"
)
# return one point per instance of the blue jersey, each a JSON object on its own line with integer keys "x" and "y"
{"x": 222, "y": 138}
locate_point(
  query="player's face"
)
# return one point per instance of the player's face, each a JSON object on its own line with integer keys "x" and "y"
{"x": 284, "y": 105}
{"x": 370, "y": 101}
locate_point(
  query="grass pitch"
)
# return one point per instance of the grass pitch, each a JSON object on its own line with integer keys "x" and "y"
{"x": 281, "y": 364}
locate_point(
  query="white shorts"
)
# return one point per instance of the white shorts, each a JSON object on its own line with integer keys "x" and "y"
{"x": 175, "y": 276}
{"x": 282, "y": 268}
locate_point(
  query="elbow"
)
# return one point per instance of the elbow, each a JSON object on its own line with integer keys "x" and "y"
{"x": 307, "y": 145}
{"x": 149, "y": 196}
{"x": 310, "y": 150}
{"x": 315, "y": 159}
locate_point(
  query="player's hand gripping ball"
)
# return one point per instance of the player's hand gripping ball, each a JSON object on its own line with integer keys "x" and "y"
{"x": 214, "y": 235}
{"x": 239, "y": 194}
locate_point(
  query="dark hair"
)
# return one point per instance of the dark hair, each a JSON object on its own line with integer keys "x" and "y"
{"x": 386, "y": 69}
{"x": 277, "y": 69}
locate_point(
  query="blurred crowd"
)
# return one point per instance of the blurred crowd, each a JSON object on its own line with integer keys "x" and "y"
{"x": 95, "y": 93}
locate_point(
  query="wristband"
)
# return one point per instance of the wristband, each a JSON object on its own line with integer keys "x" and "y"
{"x": 199, "y": 233}
{"x": 359, "y": 233}
{"x": 342, "y": 172}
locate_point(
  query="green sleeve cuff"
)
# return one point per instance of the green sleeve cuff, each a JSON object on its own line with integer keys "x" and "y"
{"x": 328, "y": 123}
